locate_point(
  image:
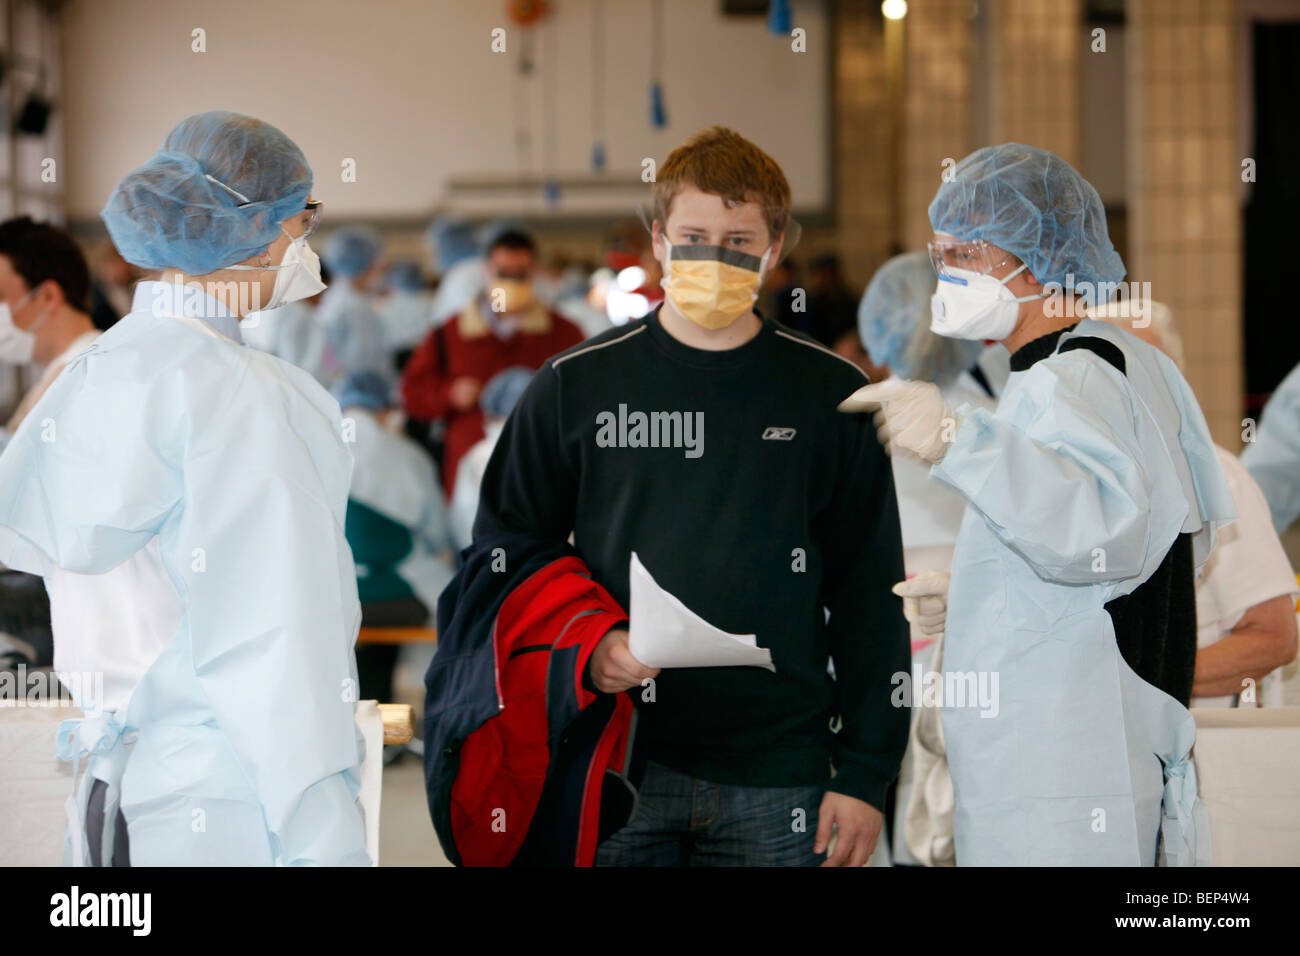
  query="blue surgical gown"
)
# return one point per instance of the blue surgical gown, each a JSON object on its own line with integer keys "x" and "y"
{"x": 395, "y": 484}
{"x": 219, "y": 473}
{"x": 1079, "y": 483}
{"x": 1273, "y": 458}
{"x": 354, "y": 332}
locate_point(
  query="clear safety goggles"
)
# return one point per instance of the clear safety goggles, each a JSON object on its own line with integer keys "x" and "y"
{"x": 971, "y": 255}
{"x": 311, "y": 209}
{"x": 312, "y": 212}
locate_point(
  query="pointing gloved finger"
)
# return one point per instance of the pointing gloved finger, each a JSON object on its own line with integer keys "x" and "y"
{"x": 870, "y": 397}
{"x": 926, "y": 583}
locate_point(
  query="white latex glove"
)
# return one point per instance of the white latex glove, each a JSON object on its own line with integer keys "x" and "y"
{"x": 925, "y": 601}
{"x": 911, "y": 415}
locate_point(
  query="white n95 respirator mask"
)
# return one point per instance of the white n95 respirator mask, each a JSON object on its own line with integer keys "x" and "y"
{"x": 971, "y": 305}
{"x": 296, "y": 277}
{"x": 17, "y": 345}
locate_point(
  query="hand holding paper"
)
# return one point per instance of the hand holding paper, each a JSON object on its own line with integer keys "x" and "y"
{"x": 664, "y": 632}
{"x": 614, "y": 669}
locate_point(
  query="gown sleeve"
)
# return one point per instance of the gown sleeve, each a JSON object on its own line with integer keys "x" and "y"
{"x": 1058, "y": 474}
{"x": 73, "y": 493}
{"x": 435, "y": 519}
{"x": 1273, "y": 459}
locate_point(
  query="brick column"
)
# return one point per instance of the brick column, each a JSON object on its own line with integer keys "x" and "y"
{"x": 862, "y": 142}
{"x": 1034, "y": 93}
{"x": 1184, "y": 182}
{"x": 937, "y": 109}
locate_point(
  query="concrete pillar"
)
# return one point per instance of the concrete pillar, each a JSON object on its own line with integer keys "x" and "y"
{"x": 1034, "y": 52}
{"x": 862, "y": 142}
{"x": 1184, "y": 182}
{"x": 937, "y": 105}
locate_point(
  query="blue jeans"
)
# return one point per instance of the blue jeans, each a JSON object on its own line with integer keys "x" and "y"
{"x": 683, "y": 821}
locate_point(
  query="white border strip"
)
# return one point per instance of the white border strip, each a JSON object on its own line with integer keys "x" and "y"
{"x": 821, "y": 348}
{"x": 592, "y": 348}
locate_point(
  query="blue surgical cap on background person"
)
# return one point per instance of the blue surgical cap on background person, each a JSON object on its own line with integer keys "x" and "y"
{"x": 351, "y": 250}
{"x": 894, "y": 324}
{"x": 167, "y": 213}
{"x": 366, "y": 390}
{"x": 404, "y": 274}
{"x": 503, "y": 390}
{"x": 488, "y": 233}
{"x": 1034, "y": 205}
{"x": 452, "y": 241}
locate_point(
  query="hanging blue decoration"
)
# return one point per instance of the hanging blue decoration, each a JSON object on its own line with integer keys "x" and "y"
{"x": 658, "y": 118}
{"x": 598, "y": 157}
{"x": 551, "y": 192}
{"x": 778, "y": 17}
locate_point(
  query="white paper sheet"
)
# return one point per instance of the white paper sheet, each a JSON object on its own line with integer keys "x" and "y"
{"x": 664, "y": 632}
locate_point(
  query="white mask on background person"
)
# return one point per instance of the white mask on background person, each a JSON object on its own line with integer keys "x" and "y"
{"x": 17, "y": 345}
{"x": 296, "y": 277}
{"x": 971, "y": 305}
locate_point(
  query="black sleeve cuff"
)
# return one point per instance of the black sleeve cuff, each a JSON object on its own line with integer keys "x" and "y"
{"x": 860, "y": 782}
{"x": 587, "y": 685}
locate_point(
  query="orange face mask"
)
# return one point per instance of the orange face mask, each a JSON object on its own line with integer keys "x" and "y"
{"x": 510, "y": 295}
{"x": 710, "y": 285}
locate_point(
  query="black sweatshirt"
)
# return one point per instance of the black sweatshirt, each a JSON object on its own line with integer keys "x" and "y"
{"x": 756, "y": 503}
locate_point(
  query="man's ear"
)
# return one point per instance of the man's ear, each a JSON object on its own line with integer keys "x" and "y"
{"x": 50, "y": 293}
{"x": 657, "y": 239}
{"x": 775, "y": 256}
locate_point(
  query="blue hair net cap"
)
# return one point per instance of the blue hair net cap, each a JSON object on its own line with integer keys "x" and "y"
{"x": 503, "y": 390}
{"x": 366, "y": 390}
{"x": 1034, "y": 205}
{"x": 488, "y": 233}
{"x": 894, "y": 323}
{"x": 453, "y": 241}
{"x": 168, "y": 213}
{"x": 351, "y": 250}
{"x": 404, "y": 274}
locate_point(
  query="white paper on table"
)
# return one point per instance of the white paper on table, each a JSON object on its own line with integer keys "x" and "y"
{"x": 664, "y": 632}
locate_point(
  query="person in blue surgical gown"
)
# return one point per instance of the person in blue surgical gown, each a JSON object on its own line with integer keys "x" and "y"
{"x": 354, "y": 331}
{"x": 1273, "y": 458}
{"x": 1093, "y": 494}
{"x": 458, "y": 259}
{"x": 500, "y": 395}
{"x": 396, "y": 524}
{"x": 406, "y": 310}
{"x": 184, "y": 498}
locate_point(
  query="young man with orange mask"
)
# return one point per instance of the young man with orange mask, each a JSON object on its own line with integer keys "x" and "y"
{"x": 704, "y": 438}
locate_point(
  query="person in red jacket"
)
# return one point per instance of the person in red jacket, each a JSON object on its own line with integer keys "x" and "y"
{"x": 506, "y": 325}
